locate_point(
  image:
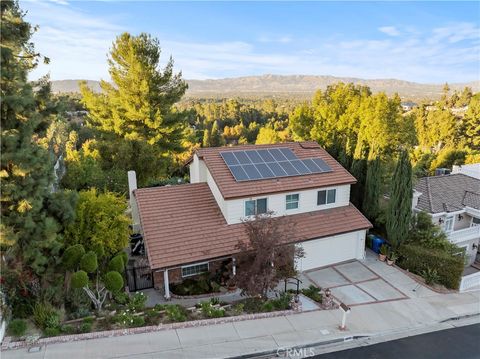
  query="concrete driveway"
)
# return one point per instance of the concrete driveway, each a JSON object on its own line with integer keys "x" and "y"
{"x": 366, "y": 282}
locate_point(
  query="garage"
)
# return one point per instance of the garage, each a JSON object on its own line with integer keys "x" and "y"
{"x": 325, "y": 251}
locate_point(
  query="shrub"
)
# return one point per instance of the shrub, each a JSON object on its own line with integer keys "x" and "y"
{"x": 175, "y": 313}
{"x": 430, "y": 275}
{"x": 85, "y": 328}
{"x": 67, "y": 329}
{"x": 99, "y": 250}
{"x": 313, "y": 293}
{"x": 138, "y": 321}
{"x": 137, "y": 301}
{"x": 238, "y": 308}
{"x": 79, "y": 279}
{"x": 89, "y": 262}
{"x": 283, "y": 302}
{"x": 51, "y": 331}
{"x": 113, "y": 281}
{"x": 44, "y": 315}
{"x": 17, "y": 327}
{"x": 416, "y": 259}
{"x": 116, "y": 264}
{"x": 267, "y": 306}
{"x": 121, "y": 297}
{"x": 88, "y": 320}
{"x": 72, "y": 255}
{"x": 211, "y": 312}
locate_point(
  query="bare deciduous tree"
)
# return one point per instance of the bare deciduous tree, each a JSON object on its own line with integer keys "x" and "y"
{"x": 268, "y": 254}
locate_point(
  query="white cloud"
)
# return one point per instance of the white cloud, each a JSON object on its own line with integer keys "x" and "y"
{"x": 77, "y": 44}
{"x": 389, "y": 30}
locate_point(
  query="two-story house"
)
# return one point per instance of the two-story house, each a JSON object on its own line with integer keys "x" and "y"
{"x": 453, "y": 201}
{"x": 189, "y": 229}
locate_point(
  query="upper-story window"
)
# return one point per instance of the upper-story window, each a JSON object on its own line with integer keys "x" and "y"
{"x": 292, "y": 201}
{"x": 326, "y": 196}
{"x": 256, "y": 206}
{"x": 448, "y": 224}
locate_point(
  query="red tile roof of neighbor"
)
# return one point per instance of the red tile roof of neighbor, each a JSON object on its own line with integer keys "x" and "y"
{"x": 229, "y": 188}
{"x": 183, "y": 224}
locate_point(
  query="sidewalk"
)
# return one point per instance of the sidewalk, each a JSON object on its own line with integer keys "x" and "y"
{"x": 261, "y": 335}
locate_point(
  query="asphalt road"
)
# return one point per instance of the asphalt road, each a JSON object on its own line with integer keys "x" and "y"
{"x": 457, "y": 343}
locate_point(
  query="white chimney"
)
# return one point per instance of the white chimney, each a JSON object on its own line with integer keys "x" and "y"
{"x": 132, "y": 185}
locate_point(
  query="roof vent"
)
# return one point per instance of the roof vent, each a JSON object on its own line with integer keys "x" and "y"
{"x": 442, "y": 171}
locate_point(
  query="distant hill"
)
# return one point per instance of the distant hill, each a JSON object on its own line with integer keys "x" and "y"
{"x": 302, "y": 86}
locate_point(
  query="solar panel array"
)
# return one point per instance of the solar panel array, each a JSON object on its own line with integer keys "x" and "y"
{"x": 270, "y": 163}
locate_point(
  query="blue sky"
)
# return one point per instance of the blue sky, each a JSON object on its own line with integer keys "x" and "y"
{"x": 430, "y": 42}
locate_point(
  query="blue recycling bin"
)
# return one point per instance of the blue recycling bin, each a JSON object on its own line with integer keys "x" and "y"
{"x": 377, "y": 242}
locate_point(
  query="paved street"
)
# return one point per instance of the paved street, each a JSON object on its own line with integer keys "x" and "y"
{"x": 463, "y": 342}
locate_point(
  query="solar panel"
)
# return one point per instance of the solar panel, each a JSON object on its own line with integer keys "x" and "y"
{"x": 321, "y": 163}
{"x": 258, "y": 164}
{"x": 242, "y": 157}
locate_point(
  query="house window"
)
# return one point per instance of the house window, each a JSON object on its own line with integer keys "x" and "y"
{"x": 448, "y": 224}
{"x": 194, "y": 269}
{"x": 256, "y": 206}
{"x": 292, "y": 201}
{"x": 326, "y": 196}
{"x": 475, "y": 221}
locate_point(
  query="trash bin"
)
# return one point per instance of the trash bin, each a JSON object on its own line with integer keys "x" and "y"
{"x": 377, "y": 242}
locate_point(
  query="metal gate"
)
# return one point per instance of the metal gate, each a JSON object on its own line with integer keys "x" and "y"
{"x": 139, "y": 278}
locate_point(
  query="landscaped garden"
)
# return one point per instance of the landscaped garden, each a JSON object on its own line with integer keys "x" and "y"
{"x": 129, "y": 311}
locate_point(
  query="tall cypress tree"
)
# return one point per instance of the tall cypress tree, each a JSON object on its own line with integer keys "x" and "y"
{"x": 400, "y": 204}
{"x": 358, "y": 170}
{"x": 26, "y": 167}
{"x": 373, "y": 184}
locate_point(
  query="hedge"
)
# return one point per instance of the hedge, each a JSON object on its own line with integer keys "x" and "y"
{"x": 417, "y": 259}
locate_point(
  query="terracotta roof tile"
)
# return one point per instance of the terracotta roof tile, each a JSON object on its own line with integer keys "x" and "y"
{"x": 233, "y": 189}
{"x": 183, "y": 224}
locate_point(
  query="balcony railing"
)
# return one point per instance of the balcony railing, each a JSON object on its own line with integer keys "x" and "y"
{"x": 464, "y": 234}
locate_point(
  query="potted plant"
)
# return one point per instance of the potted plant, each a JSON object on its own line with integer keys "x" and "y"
{"x": 383, "y": 252}
{"x": 392, "y": 257}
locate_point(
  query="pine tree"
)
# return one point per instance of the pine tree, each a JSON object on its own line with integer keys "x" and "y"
{"x": 399, "y": 210}
{"x": 134, "y": 115}
{"x": 26, "y": 168}
{"x": 373, "y": 184}
{"x": 138, "y": 104}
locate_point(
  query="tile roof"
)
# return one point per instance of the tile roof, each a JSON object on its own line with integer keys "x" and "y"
{"x": 230, "y": 188}
{"x": 448, "y": 193}
{"x": 183, "y": 224}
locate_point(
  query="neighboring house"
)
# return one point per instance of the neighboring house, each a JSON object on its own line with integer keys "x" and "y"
{"x": 408, "y": 105}
{"x": 472, "y": 170}
{"x": 193, "y": 228}
{"x": 453, "y": 201}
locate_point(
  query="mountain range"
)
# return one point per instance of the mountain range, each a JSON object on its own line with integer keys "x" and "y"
{"x": 299, "y": 86}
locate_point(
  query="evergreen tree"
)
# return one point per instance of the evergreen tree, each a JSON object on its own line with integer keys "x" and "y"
{"x": 216, "y": 138}
{"x": 26, "y": 167}
{"x": 134, "y": 114}
{"x": 373, "y": 184}
{"x": 472, "y": 122}
{"x": 207, "y": 138}
{"x": 399, "y": 210}
{"x": 359, "y": 171}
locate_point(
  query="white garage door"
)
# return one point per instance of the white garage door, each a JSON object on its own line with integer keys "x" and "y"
{"x": 330, "y": 250}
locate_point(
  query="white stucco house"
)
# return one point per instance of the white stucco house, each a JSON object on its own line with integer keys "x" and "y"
{"x": 191, "y": 228}
{"x": 453, "y": 201}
